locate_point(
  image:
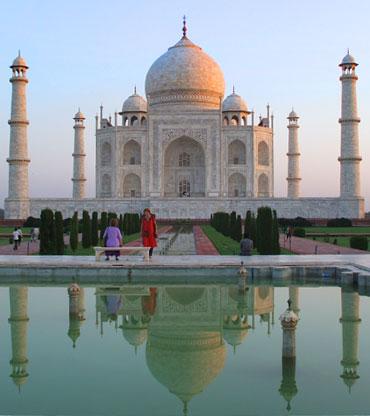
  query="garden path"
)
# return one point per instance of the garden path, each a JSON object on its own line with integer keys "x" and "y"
{"x": 203, "y": 244}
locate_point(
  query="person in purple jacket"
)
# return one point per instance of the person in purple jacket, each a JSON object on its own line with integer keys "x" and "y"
{"x": 112, "y": 238}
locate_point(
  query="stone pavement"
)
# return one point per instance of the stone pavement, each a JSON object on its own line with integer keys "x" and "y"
{"x": 306, "y": 246}
{"x": 203, "y": 244}
{"x": 26, "y": 248}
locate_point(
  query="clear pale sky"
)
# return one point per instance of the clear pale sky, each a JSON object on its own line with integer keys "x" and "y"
{"x": 83, "y": 53}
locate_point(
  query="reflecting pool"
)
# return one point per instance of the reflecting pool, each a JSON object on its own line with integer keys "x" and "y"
{"x": 183, "y": 350}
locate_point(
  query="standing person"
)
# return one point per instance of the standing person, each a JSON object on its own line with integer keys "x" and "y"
{"x": 246, "y": 245}
{"x": 15, "y": 238}
{"x": 112, "y": 238}
{"x": 149, "y": 230}
{"x": 20, "y": 236}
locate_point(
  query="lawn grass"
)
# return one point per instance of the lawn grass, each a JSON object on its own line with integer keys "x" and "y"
{"x": 91, "y": 252}
{"x": 9, "y": 230}
{"x": 224, "y": 245}
{"x": 341, "y": 241}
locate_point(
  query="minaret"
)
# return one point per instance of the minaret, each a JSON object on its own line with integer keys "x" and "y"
{"x": 17, "y": 204}
{"x": 294, "y": 176}
{"x": 350, "y": 321}
{"x": 350, "y": 152}
{"x": 18, "y": 327}
{"x": 79, "y": 157}
{"x": 288, "y": 387}
{"x": 294, "y": 297}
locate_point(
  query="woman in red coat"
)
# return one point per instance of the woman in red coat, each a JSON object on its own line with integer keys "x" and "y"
{"x": 149, "y": 230}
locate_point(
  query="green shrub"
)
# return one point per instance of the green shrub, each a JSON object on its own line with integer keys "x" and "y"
{"x": 86, "y": 230}
{"x": 47, "y": 232}
{"x": 94, "y": 229}
{"x": 339, "y": 222}
{"x": 359, "y": 242}
{"x": 103, "y": 223}
{"x": 299, "y": 232}
{"x": 59, "y": 233}
{"x": 32, "y": 222}
{"x": 73, "y": 233}
{"x": 264, "y": 230}
{"x": 237, "y": 231}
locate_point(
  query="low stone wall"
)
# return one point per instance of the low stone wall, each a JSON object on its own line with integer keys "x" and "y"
{"x": 197, "y": 208}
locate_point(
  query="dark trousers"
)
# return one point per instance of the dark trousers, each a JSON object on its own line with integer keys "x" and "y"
{"x": 151, "y": 251}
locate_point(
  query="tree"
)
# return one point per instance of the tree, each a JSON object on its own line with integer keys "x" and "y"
{"x": 120, "y": 223}
{"x": 86, "y": 230}
{"x": 59, "y": 233}
{"x": 264, "y": 230}
{"x": 47, "y": 232}
{"x": 103, "y": 223}
{"x": 275, "y": 235}
{"x": 94, "y": 229}
{"x": 250, "y": 226}
{"x": 232, "y": 223}
{"x": 237, "y": 234}
{"x": 73, "y": 233}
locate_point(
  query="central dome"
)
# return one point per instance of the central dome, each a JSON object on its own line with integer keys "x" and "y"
{"x": 185, "y": 75}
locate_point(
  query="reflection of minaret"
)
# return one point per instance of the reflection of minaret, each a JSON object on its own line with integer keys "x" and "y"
{"x": 350, "y": 321}
{"x": 76, "y": 311}
{"x": 18, "y": 327}
{"x": 288, "y": 388}
{"x": 294, "y": 297}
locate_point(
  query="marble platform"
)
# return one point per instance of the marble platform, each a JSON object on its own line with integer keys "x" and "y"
{"x": 326, "y": 269}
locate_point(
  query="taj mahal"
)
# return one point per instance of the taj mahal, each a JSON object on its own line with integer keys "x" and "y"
{"x": 186, "y": 151}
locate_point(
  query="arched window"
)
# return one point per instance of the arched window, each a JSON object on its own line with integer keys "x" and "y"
{"x": 226, "y": 121}
{"x": 234, "y": 121}
{"x": 131, "y": 186}
{"x": 263, "y": 154}
{"x": 243, "y": 121}
{"x": 125, "y": 121}
{"x": 236, "y": 153}
{"x": 184, "y": 187}
{"x": 263, "y": 185}
{"x": 106, "y": 154}
{"x": 143, "y": 121}
{"x": 237, "y": 185}
{"x": 184, "y": 159}
{"x": 134, "y": 121}
{"x": 106, "y": 186}
{"x": 131, "y": 153}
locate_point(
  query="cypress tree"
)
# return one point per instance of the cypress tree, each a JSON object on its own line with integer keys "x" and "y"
{"x": 238, "y": 229}
{"x": 247, "y": 222}
{"x": 47, "y": 232}
{"x": 73, "y": 233}
{"x": 86, "y": 230}
{"x": 253, "y": 229}
{"x": 264, "y": 231}
{"x": 275, "y": 234}
{"x": 59, "y": 233}
{"x": 120, "y": 223}
{"x": 232, "y": 225}
{"x": 103, "y": 223}
{"x": 94, "y": 229}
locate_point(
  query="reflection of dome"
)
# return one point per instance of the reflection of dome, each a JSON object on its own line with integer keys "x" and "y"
{"x": 135, "y": 337}
{"x": 135, "y": 104}
{"x": 235, "y": 337}
{"x": 185, "y": 295}
{"x": 185, "y": 363}
{"x": 185, "y": 74}
{"x": 234, "y": 102}
{"x": 19, "y": 378}
{"x": 263, "y": 292}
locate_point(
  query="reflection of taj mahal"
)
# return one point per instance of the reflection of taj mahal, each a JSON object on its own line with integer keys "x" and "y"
{"x": 186, "y": 151}
{"x": 184, "y": 329}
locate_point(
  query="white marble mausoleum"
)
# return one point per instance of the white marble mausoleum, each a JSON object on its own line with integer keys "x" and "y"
{"x": 186, "y": 151}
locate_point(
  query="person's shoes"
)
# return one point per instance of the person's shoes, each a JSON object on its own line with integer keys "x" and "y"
{"x": 107, "y": 259}
{"x": 117, "y": 258}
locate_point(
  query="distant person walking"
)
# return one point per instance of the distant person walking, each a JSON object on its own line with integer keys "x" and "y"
{"x": 112, "y": 237}
{"x": 246, "y": 245}
{"x": 149, "y": 230}
{"x": 34, "y": 234}
{"x": 15, "y": 239}
{"x": 20, "y": 236}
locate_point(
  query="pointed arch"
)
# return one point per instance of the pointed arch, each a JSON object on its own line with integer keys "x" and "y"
{"x": 263, "y": 154}
{"x": 263, "y": 185}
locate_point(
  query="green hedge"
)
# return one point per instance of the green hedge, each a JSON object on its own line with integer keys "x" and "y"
{"x": 361, "y": 243}
{"x": 299, "y": 232}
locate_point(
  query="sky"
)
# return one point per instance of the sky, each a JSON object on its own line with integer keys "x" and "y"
{"x": 84, "y": 53}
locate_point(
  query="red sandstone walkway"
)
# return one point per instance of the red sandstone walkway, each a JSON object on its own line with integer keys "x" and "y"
{"x": 306, "y": 246}
{"x": 203, "y": 244}
{"x": 138, "y": 243}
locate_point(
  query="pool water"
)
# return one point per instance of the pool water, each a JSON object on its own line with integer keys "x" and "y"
{"x": 182, "y": 350}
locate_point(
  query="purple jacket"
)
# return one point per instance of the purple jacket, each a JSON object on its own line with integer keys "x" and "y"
{"x": 112, "y": 237}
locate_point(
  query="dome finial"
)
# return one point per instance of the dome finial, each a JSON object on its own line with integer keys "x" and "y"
{"x": 135, "y": 89}
{"x": 19, "y": 53}
{"x": 184, "y": 28}
{"x": 233, "y": 89}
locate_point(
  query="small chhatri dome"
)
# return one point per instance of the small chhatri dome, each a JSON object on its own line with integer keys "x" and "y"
{"x": 234, "y": 102}
{"x": 79, "y": 116}
{"x": 348, "y": 60}
{"x": 135, "y": 103}
{"x": 185, "y": 74}
{"x": 293, "y": 114}
{"x": 19, "y": 61}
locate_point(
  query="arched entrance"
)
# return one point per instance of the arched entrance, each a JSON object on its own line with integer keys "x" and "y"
{"x": 184, "y": 169}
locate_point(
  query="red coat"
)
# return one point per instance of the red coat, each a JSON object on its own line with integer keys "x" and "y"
{"x": 149, "y": 232}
